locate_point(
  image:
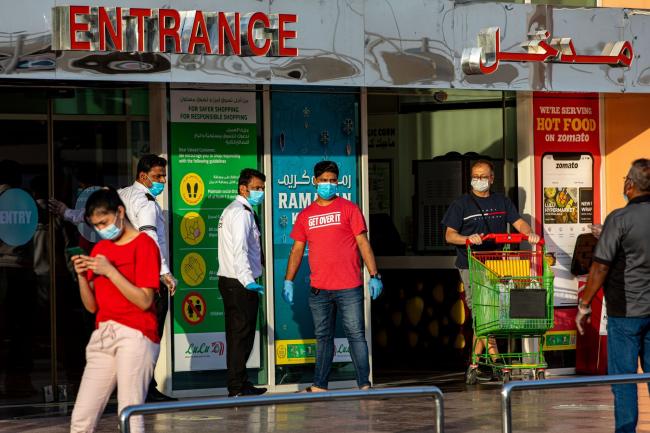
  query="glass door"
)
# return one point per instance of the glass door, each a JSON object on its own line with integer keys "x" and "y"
{"x": 61, "y": 143}
{"x": 25, "y": 230}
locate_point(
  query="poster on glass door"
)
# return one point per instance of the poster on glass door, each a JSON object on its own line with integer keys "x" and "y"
{"x": 567, "y": 212}
{"x": 306, "y": 128}
{"x": 213, "y": 137}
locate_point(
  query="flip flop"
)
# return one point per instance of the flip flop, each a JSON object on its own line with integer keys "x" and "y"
{"x": 309, "y": 389}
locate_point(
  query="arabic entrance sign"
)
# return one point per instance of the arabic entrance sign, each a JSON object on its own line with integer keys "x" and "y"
{"x": 540, "y": 47}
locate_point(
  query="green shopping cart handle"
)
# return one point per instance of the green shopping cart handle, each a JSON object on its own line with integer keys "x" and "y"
{"x": 505, "y": 238}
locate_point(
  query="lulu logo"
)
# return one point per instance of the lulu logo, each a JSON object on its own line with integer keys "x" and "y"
{"x": 540, "y": 47}
{"x": 216, "y": 347}
{"x": 86, "y": 28}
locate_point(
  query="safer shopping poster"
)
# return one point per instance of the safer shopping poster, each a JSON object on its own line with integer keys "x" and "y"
{"x": 306, "y": 128}
{"x": 213, "y": 137}
{"x": 567, "y": 164}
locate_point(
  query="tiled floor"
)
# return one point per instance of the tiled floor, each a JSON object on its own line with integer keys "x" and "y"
{"x": 472, "y": 409}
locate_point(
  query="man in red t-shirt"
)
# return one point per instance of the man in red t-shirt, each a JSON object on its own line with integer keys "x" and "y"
{"x": 335, "y": 230}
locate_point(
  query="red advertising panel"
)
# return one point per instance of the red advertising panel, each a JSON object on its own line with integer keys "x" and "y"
{"x": 567, "y": 177}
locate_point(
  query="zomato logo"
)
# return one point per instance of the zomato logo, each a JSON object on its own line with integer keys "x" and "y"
{"x": 147, "y": 30}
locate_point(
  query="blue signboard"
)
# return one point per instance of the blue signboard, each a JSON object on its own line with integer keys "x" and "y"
{"x": 18, "y": 217}
{"x": 306, "y": 128}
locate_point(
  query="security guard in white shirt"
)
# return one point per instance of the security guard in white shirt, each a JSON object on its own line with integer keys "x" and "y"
{"x": 240, "y": 264}
{"x": 146, "y": 215}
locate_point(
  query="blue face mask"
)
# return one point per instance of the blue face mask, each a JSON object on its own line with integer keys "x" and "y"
{"x": 256, "y": 197}
{"x": 156, "y": 187}
{"x": 327, "y": 190}
{"x": 110, "y": 233}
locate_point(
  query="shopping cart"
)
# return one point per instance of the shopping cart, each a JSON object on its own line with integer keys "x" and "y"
{"x": 512, "y": 297}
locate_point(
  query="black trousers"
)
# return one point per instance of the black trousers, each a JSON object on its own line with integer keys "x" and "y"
{"x": 240, "y": 307}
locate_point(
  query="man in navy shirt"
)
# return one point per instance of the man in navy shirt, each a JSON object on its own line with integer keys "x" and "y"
{"x": 479, "y": 213}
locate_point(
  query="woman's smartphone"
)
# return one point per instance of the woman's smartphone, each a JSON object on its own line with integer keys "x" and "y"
{"x": 74, "y": 251}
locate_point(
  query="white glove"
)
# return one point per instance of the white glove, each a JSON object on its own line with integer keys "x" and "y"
{"x": 596, "y": 230}
{"x": 584, "y": 313}
{"x": 171, "y": 283}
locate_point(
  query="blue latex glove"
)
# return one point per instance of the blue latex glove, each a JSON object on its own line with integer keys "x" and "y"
{"x": 375, "y": 287}
{"x": 287, "y": 292}
{"x": 255, "y": 288}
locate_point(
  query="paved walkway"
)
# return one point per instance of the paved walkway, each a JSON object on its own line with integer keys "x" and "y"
{"x": 475, "y": 409}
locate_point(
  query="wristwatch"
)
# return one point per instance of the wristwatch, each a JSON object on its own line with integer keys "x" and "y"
{"x": 377, "y": 276}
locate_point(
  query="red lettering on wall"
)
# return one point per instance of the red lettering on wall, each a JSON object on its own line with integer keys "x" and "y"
{"x": 78, "y": 27}
{"x": 258, "y": 51}
{"x": 284, "y": 34}
{"x": 232, "y": 34}
{"x": 195, "y": 38}
{"x": 106, "y": 28}
{"x": 172, "y": 32}
{"x": 140, "y": 13}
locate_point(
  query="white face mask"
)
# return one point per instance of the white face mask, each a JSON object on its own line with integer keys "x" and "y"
{"x": 480, "y": 185}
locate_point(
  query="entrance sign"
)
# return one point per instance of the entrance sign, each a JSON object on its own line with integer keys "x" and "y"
{"x": 18, "y": 217}
{"x": 540, "y": 47}
{"x": 149, "y": 30}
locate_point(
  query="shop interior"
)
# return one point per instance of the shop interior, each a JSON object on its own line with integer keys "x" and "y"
{"x": 421, "y": 147}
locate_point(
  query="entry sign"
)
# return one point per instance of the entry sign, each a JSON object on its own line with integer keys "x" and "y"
{"x": 18, "y": 217}
{"x": 147, "y": 30}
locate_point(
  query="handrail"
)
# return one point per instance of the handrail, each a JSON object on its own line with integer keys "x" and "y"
{"x": 508, "y": 388}
{"x": 266, "y": 400}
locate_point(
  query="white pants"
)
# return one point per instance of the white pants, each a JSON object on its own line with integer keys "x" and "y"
{"x": 115, "y": 355}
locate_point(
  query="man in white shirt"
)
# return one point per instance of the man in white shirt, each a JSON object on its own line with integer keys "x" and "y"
{"x": 145, "y": 214}
{"x": 240, "y": 264}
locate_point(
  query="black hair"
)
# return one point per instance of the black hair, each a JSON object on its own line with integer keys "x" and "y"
{"x": 148, "y": 162}
{"x": 326, "y": 167}
{"x": 10, "y": 173}
{"x": 484, "y": 162}
{"x": 247, "y": 174}
{"x": 88, "y": 174}
{"x": 105, "y": 200}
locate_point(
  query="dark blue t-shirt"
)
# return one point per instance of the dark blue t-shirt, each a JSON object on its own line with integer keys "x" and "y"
{"x": 465, "y": 217}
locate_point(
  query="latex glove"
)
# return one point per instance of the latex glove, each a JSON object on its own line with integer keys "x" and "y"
{"x": 533, "y": 238}
{"x": 171, "y": 283}
{"x": 57, "y": 207}
{"x": 287, "y": 292}
{"x": 375, "y": 287}
{"x": 584, "y": 314}
{"x": 255, "y": 288}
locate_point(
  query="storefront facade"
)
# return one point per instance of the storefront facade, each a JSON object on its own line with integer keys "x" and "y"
{"x": 403, "y": 98}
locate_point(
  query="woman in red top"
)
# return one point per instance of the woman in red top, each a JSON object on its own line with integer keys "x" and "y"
{"x": 117, "y": 282}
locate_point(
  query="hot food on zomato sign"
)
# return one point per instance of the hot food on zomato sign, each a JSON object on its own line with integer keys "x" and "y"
{"x": 86, "y": 28}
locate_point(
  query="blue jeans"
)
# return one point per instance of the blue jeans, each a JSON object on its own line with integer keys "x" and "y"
{"x": 324, "y": 305}
{"x": 628, "y": 338}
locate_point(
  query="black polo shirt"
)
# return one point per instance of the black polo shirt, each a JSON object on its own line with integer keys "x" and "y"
{"x": 464, "y": 216}
{"x": 624, "y": 246}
